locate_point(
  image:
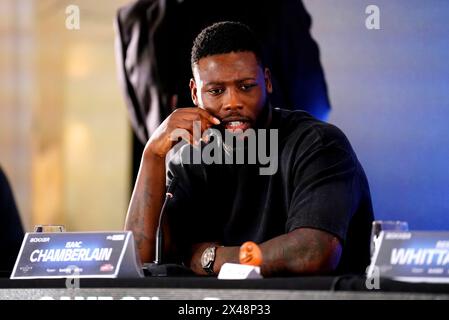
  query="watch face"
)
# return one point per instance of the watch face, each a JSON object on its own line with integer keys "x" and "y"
{"x": 208, "y": 257}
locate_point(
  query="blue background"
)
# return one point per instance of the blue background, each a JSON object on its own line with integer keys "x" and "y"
{"x": 389, "y": 90}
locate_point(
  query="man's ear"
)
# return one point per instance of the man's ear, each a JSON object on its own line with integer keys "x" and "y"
{"x": 268, "y": 85}
{"x": 193, "y": 91}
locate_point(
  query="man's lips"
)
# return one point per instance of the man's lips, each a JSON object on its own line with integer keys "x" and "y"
{"x": 236, "y": 123}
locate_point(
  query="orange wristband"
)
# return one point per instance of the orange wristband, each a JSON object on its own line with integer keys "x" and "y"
{"x": 250, "y": 254}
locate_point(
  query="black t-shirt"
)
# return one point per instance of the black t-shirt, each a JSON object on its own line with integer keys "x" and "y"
{"x": 319, "y": 183}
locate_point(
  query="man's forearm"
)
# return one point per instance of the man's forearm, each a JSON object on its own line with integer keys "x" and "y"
{"x": 145, "y": 205}
{"x": 148, "y": 195}
{"x": 302, "y": 251}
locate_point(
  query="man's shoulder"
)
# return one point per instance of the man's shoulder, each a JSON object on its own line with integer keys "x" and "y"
{"x": 299, "y": 126}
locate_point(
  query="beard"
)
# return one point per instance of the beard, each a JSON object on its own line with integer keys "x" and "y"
{"x": 237, "y": 141}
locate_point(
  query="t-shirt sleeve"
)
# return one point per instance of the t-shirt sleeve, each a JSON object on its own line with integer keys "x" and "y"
{"x": 325, "y": 183}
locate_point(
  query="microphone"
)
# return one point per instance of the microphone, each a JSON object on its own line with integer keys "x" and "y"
{"x": 159, "y": 232}
{"x": 158, "y": 268}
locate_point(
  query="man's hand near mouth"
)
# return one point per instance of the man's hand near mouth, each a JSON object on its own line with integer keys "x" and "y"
{"x": 148, "y": 194}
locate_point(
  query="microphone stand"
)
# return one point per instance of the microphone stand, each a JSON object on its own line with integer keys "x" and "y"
{"x": 157, "y": 268}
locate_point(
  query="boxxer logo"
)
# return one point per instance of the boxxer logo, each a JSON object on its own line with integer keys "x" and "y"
{"x": 252, "y": 146}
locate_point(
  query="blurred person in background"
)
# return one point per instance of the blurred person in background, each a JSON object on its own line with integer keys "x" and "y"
{"x": 11, "y": 233}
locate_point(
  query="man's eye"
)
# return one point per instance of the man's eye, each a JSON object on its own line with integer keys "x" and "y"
{"x": 215, "y": 92}
{"x": 246, "y": 87}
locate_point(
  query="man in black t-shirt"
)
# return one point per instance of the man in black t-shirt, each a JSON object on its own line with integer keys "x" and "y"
{"x": 154, "y": 39}
{"x": 310, "y": 212}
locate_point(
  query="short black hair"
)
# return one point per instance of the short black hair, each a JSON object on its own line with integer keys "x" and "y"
{"x": 225, "y": 37}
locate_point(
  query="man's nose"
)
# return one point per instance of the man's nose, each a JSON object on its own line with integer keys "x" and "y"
{"x": 232, "y": 100}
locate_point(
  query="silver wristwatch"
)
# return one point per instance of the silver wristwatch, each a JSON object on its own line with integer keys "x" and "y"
{"x": 208, "y": 259}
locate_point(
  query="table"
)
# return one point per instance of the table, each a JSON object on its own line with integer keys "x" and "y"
{"x": 348, "y": 287}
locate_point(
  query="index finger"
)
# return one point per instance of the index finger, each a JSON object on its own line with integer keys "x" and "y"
{"x": 208, "y": 116}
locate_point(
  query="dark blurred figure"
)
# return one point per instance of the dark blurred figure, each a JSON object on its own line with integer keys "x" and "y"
{"x": 11, "y": 231}
{"x": 152, "y": 34}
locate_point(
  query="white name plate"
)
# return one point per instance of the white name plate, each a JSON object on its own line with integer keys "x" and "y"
{"x": 77, "y": 255}
{"x": 234, "y": 271}
{"x": 417, "y": 256}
